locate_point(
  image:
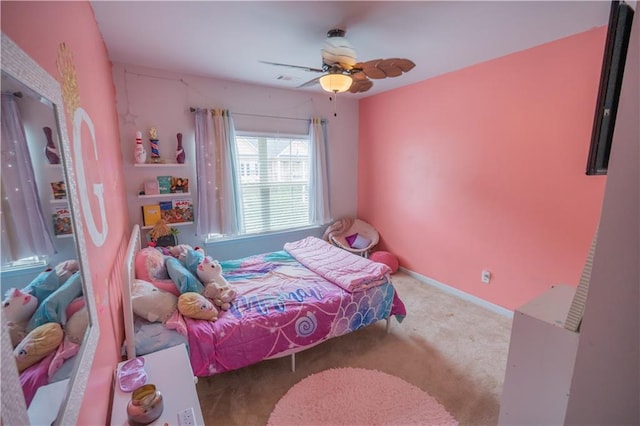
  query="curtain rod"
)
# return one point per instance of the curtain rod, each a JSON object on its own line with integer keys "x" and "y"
{"x": 192, "y": 109}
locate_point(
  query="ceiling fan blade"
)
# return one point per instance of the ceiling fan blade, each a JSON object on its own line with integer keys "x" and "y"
{"x": 360, "y": 83}
{"x": 404, "y": 64}
{"x": 358, "y": 75}
{"x": 293, "y": 66}
{"x": 370, "y": 69}
{"x": 389, "y": 68}
{"x": 383, "y": 68}
{"x": 309, "y": 83}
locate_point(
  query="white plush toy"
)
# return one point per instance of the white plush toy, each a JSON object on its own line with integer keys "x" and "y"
{"x": 18, "y": 308}
{"x": 217, "y": 288}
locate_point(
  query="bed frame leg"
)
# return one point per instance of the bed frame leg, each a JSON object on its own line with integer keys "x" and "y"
{"x": 293, "y": 363}
{"x": 388, "y": 324}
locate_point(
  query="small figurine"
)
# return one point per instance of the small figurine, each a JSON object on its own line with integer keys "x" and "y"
{"x": 155, "y": 151}
{"x": 180, "y": 151}
{"x": 50, "y": 151}
{"x": 140, "y": 153}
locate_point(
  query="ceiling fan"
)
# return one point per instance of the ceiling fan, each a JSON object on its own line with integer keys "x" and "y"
{"x": 341, "y": 72}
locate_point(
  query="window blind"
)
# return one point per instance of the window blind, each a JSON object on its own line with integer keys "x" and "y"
{"x": 274, "y": 180}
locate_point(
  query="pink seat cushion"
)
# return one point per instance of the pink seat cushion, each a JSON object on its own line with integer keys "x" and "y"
{"x": 387, "y": 258}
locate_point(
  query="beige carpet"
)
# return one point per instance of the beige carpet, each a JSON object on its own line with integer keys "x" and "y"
{"x": 452, "y": 349}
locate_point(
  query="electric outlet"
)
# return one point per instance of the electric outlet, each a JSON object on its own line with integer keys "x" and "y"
{"x": 486, "y": 276}
{"x": 187, "y": 417}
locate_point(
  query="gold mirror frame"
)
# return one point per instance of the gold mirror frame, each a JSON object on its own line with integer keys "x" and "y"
{"x": 17, "y": 64}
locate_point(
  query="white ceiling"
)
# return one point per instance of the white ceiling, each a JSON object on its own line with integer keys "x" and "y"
{"x": 227, "y": 39}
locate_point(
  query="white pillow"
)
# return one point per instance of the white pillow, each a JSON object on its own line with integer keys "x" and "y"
{"x": 151, "y": 303}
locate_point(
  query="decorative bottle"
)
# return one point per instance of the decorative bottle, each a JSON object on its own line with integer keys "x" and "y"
{"x": 179, "y": 150}
{"x": 155, "y": 150}
{"x": 140, "y": 153}
{"x": 50, "y": 150}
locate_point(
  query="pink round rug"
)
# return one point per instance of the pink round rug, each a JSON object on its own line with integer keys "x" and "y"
{"x": 356, "y": 396}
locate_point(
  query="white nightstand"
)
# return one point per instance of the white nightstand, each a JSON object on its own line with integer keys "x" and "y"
{"x": 171, "y": 372}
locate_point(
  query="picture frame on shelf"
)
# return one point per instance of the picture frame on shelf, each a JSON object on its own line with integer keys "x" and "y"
{"x": 151, "y": 187}
{"x": 179, "y": 184}
{"x": 62, "y": 221}
{"x": 59, "y": 190}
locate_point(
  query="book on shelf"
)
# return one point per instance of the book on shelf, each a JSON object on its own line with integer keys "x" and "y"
{"x": 59, "y": 190}
{"x": 177, "y": 211}
{"x": 164, "y": 184}
{"x": 179, "y": 184}
{"x": 183, "y": 209}
{"x": 166, "y": 211}
{"x": 151, "y": 187}
{"x": 150, "y": 214}
{"x": 62, "y": 221}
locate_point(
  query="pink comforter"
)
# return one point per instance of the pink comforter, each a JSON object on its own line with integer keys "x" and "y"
{"x": 347, "y": 270}
{"x": 282, "y": 307}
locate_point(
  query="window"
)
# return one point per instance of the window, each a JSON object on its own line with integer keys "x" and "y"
{"x": 274, "y": 181}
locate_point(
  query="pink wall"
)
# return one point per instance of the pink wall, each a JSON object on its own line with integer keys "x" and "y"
{"x": 483, "y": 168}
{"x": 39, "y": 28}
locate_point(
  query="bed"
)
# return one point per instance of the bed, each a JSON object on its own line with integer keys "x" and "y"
{"x": 287, "y": 301}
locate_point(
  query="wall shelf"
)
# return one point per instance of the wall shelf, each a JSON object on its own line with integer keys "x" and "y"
{"x": 168, "y": 224}
{"x": 59, "y": 201}
{"x": 170, "y": 195}
{"x": 159, "y": 164}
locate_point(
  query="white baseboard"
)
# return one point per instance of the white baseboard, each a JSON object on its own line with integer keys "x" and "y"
{"x": 459, "y": 293}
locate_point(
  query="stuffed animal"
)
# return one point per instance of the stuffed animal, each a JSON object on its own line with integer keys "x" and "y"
{"x": 217, "y": 288}
{"x": 76, "y": 327}
{"x": 65, "y": 269}
{"x": 221, "y": 296}
{"x": 151, "y": 303}
{"x": 179, "y": 251}
{"x": 194, "y": 305}
{"x": 38, "y": 344}
{"x": 18, "y": 308}
{"x": 18, "y": 305}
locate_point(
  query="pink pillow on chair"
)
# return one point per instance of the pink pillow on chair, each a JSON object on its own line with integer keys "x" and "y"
{"x": 357, "y": 241}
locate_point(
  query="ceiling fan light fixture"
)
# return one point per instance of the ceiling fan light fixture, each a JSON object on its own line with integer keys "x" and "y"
{"x": 336, "y": 83}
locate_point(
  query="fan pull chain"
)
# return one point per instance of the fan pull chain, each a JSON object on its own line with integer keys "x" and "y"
{"x": 335, "y": 104}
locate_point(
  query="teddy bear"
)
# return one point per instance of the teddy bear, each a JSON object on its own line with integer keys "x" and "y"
{"x": 217, "y": 288}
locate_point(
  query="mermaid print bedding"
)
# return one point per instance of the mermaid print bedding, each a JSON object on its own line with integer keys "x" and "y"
{"x": 282, "y": 307}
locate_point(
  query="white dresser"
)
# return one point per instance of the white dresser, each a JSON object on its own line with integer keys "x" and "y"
{"x": 542, "y": 355}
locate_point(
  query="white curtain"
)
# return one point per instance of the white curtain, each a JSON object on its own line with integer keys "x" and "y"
{"x": 319, "y": 208}
{"x": 219, "y": 206}
{"x": 207, "y": 211}
{"x": 24, "y": 230}
{"x": 230, "y": 191}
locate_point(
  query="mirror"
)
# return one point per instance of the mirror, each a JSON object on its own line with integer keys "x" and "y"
{"x": 41, "y": 92}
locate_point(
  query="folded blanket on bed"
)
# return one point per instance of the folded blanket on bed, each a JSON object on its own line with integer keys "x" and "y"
{"x": 347, "y": 270}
